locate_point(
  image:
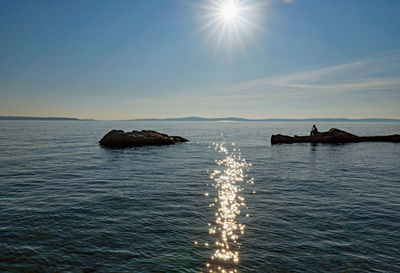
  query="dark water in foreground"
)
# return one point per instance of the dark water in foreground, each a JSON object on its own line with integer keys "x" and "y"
{"x": 67, "y": 204}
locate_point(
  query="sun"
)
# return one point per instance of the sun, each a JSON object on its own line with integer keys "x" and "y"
{"x": 229, "y": 11}
{"x": 230, "y": 23}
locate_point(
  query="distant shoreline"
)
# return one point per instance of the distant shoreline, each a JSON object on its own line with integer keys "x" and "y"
{"x": 41, "y": 118}
{"x": 228, "y": 119}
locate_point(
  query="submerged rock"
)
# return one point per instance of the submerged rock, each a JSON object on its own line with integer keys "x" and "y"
{"x": 120, "y": 139}
{"x": 333, "y": 136}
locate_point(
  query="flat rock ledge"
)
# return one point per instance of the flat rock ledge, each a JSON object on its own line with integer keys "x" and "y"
{"x": 120, "y": 139}
{"x": 332, "y": 136}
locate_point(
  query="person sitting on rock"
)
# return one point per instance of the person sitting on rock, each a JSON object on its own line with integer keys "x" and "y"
{"x": 314, "y": 131}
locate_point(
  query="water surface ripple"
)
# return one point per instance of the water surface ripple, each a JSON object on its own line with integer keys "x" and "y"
{"x": 68, "y": 205}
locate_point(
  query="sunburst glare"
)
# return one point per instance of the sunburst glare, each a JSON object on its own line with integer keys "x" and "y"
{"x": 229, "y": 11}
{"x": 231, "y": 23}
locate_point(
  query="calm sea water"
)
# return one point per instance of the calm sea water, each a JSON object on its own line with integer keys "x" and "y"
{"x": 227, "y": 200}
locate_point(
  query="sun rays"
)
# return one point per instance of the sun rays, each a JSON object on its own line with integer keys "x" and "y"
{"x": 231, "y": 23}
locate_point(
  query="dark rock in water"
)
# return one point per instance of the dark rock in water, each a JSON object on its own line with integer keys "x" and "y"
{"x": 333, "y": 136}
{"x": 120, "y": 139}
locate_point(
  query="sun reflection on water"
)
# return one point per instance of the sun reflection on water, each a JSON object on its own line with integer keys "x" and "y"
{"x": 226, "y": 230}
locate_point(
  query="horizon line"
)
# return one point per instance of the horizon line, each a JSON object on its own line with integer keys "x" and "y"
{"x": 196, "y": 118}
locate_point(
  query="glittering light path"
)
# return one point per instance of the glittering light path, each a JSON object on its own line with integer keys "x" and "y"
{"x": 228, "y": 179}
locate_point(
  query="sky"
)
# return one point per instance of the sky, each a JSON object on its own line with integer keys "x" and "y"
{"x": 177, "y": 58}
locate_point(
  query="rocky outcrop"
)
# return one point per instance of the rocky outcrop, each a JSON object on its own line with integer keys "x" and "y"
{"x": 120, "y": 139}
{"x": 332, "y": 136}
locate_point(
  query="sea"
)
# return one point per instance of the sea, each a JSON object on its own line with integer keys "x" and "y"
{"x": 228, "y": 201}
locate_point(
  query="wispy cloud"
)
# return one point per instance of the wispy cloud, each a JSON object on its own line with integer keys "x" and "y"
{"x": 364, "y": 88}
{"x": 378, "y": 73}
{"x": 287, "y": 1}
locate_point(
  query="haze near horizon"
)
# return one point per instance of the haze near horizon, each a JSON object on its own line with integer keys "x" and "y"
{"x": 160, "y": 59}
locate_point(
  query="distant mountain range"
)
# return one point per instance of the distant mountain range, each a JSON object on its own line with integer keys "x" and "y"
{"x": 275, "y": 119}
{"x": 227, "y": 119}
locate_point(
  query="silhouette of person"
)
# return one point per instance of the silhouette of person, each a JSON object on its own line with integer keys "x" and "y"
{"x": 314, "y": 131}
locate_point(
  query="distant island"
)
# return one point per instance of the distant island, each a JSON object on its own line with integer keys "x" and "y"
{"x": 227, "y": 119}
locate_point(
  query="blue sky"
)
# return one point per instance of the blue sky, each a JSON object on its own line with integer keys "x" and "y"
{"x": 136, "y": 59}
